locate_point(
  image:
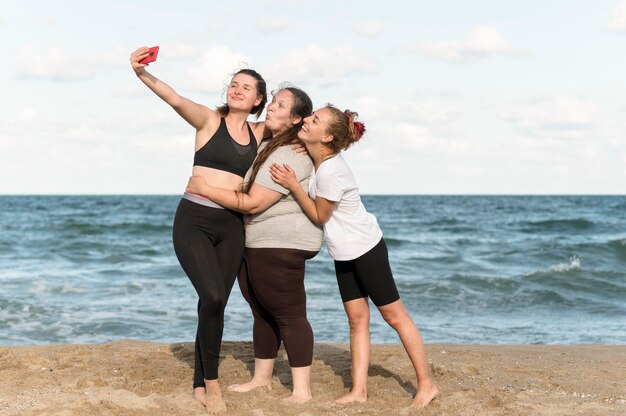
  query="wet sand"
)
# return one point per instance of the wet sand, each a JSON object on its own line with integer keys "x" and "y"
{"x": 143, "y": 378}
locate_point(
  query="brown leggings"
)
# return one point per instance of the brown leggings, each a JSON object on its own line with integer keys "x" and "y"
{"x": 272, "y": 281}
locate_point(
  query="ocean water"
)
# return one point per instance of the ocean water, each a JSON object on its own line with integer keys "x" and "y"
{"x": 470, "y": 269}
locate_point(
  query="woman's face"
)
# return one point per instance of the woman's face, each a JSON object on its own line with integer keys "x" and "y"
{"x": 314, "y": 128}
{"x": 278, "y": 118}
{"x": 242, "y": 93}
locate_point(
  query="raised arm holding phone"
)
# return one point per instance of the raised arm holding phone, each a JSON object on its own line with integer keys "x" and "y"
{"x": 209, "y": 239}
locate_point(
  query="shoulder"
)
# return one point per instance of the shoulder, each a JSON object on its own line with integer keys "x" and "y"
{"x": 210, "y": 116}
{"x": 336, "y": 171}
{"x": 287, "y": 152}
{"x": 298, "y": 158}
{"x": 258, "y": 129}
{"x": 262, "y": 145}
{"x": 339, "y": 161}
{"x": 334, "y": 165}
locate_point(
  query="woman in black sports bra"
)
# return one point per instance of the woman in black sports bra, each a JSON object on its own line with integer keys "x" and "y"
{"x": 208, "y": 239}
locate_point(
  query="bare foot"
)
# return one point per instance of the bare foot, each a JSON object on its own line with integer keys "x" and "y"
{"x": 425, "y": 395}
{"x": 199, "y": 394}
{"x": 353, "y": 396}
{"x": 251, "y": 385}
{"x": 215, "y": 405}
{"x": 298, "y": 398}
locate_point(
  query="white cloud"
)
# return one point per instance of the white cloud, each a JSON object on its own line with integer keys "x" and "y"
{"x": 129, "y": 89}
{"x": 49, "y": 20}
{"x": 368, "y": 106}
{"x": 114, "y": 143}
{"x": 117, "y": 57}
{"x": 409, "y": 124}
{"x": 370, "y": 28}
{"x": 324, "y": 66}
{"x": 174, "y": 50}
{"x": 425, "y": 112}
{"x": 214, "y": 68}
{"x": 413, "y": 135}
{"x": 410, "y": 136}
{"x": 180, "y": 50}
{"x": 28, "y": 115}
{"x": 272, "y": 24}
{"x": 617, "y": 19}
{"x": 414, "y": 125}
{"x": 555, "y": 118}
{"x": 486, "y": 39}
{"x": 53, "y": 64}
{"x": 481, "y": 42}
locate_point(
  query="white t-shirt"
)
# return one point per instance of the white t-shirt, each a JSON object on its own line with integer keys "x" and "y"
{"x": 351, "y": 231}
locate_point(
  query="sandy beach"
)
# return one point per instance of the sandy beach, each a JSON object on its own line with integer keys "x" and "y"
{"x": 143, "y": 378}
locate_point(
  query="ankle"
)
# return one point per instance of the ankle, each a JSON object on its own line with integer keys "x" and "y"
{"x": 212, "y": 388}
{"x": 426, "y": 383}
{"x": 302, "y": 392}
{"x": 360, "y": 394}
{"x": 261, "y": 381}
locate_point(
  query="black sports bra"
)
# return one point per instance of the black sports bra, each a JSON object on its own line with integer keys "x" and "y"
{"x": 224, "y": 153}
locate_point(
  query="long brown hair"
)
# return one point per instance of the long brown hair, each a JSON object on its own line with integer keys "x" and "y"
{"x": 301, "y": 107}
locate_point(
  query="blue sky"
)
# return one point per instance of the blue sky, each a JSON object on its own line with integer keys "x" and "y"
{"x": 483, "y": 97}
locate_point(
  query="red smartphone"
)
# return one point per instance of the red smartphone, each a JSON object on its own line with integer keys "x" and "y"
{"x": 152, "y": 55}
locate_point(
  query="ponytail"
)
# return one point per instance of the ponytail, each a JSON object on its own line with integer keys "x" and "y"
{"x": 344, "y": 128}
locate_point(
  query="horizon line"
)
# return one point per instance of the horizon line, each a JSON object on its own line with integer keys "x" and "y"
{"x": 364, "y": 194}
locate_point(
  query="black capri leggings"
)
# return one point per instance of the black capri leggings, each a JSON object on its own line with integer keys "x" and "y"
{"x": 368, "y": 275}
{"x": 272, "y": 281}
{"x": 209, "y": 244}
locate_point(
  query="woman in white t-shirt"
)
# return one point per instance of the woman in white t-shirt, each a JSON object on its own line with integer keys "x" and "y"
{"x": 355, "y": 242}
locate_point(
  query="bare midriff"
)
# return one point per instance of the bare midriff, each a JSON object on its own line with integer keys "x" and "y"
{"x": 218, "y": 178}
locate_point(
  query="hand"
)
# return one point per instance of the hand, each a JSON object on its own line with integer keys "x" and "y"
{"x": 300, "y": 148}
{"x": 196, "y": 184}
{"x": 284, "y": 175}
{"x": 137, "y": 56}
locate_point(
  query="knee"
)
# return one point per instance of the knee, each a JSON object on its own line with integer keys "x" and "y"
{"x": 212, "y": 305}
{"x": 359, "y": 320}
{"x": 293, "y": 325}
{"x": 395, "y": 318}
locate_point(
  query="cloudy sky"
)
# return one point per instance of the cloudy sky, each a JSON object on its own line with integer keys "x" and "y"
{"x": 481, "y": 97}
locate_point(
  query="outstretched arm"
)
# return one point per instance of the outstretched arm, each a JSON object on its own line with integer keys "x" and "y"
{"x": 195, "y": 114}
{"x": 257, "y": 200}
{"x": 319, "y": 210}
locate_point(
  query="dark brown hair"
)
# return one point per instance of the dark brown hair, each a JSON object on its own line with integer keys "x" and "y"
{"x": 261, "y": 89}
{"x": 300, "y": 107}
{"x": 344, "y": 128}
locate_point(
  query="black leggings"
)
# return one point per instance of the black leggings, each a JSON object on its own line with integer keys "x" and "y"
{"x": 209, "y": 245}
{"x": 272, "y": 281}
